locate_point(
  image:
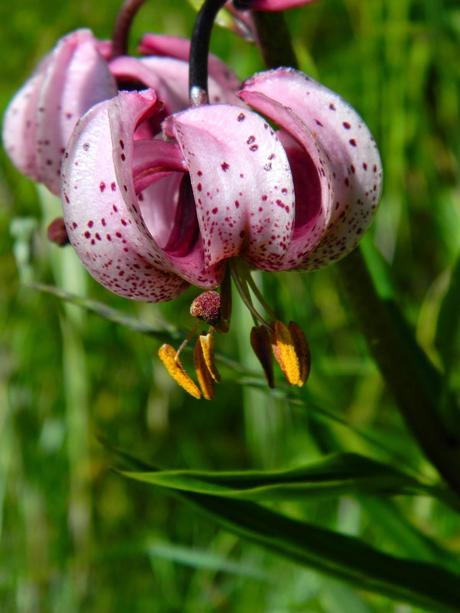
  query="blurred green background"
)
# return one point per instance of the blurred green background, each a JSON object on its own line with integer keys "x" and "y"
{"x": 75, "y": 536}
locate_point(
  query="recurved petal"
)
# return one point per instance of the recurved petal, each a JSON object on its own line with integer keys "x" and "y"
{"x": 271, "y": 5}
{"x": 179, "y": 48}
{"x": 76, "y": 78}
{"x": 166, "y": 207}
{"x": 101, "y": 209}
{"x": 174, "y": 75}
{"x": 19, "y": 127}
{"x": 353, "y": 161}
{"x": 241, "y": 182}
{"x": 313, "y": 182}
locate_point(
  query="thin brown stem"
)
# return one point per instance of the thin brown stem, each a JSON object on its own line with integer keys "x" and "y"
{"x": 122, "y": 26}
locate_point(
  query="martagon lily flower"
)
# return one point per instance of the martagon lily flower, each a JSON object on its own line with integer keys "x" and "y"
{"x": 148, "y": 215}
{"x": 80, "y": 72}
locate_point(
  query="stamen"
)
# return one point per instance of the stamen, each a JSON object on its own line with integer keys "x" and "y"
{"x": 261, "y": 344}
{"x": 260, "y": 297}
{"x": 302, "y": 350}
{"x": 243, "y": 290}
{"x": 207, "y": 347}
{"x": 225, "y": 302}
{"x": 171, "y": 362}
{"x": 203, "y": 373}
{"x": 187, "y": 339}
{"x": 285, "y": 353}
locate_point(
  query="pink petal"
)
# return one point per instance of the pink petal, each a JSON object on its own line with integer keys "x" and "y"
{"x": 101, "y": 212}
{"x": 274, "y": 5}
{"x": 77, "y": 77}
{"x": 127, "y": 111}
{"x": 241, "y": 182}
{"x": 168, "y": 77}
{"x": 352, "y": 159}
{"x": 179, "y": 48}
{"x": 312, "y": 179}
{"x": 19, "y": 127}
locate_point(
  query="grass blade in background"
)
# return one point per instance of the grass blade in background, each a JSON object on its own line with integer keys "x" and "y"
{"x": 106, "y": 312}
{"x": 448, "y": 325}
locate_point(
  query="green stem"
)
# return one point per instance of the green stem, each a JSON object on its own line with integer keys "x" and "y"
{"x": 243, "y": 291}
{"x": 410, "y": 376}
{"x": 274, "y": 40}
{"x": 408, "y": 373}
{"x": 260, "y": 297}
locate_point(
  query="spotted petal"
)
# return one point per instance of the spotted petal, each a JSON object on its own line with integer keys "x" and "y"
{"x": 102, "y": 216}
{"x": 77, "y": 78}
{"x": 20, "y": 126}
{"x": 43, "y": 114}
{"x": 161, "y": 192}
{"x": 352, "y": 162}
{"x": 176, "y": 47}
{"x": 241, "y": 182}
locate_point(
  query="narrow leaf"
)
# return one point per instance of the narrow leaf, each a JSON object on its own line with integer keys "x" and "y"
{"x": 335, "y": 475}
{"x": 347, "y": 558}
{"x": 448, "y": 328}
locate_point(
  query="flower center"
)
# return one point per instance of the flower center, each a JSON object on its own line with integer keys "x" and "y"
{"x": 165, "y": 196}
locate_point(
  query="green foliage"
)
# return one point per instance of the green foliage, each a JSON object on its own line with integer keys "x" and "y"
{"x": 329, "y": 477}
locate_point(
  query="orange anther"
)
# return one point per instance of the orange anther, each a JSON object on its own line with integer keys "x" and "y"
{"x": 285, "y": 353}
{"x": 207, "y": 348}
{"x": 203, "y": 374}
{"x": 302, "y": 350}
{"x": 168, "y": 355}
{"x": 261, "y": 344}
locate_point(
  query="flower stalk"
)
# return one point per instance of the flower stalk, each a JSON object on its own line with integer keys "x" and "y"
{"x": 199, "y": 50}
{"x": 122, "y": 26}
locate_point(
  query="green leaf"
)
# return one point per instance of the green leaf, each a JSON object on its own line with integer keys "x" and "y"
{"x": 345, "y": 557}
{"x": 335, "y": 475}
{"x": 448, "y": 328}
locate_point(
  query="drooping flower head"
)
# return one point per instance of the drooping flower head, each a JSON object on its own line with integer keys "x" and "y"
{"x": 221, "y": 183}
{"x": 150, "y": 215}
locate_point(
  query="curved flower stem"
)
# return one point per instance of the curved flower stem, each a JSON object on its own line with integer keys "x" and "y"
{"x": 274, "y": 40}
{"x": 199, "y": 50}
{"x": 408, "y": 373}
{"x": 122, "y": 26}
